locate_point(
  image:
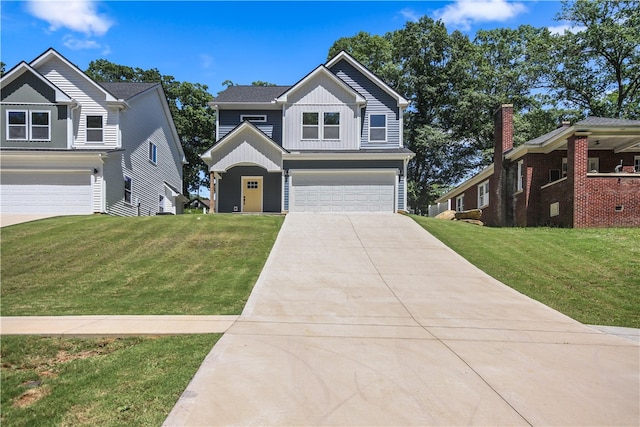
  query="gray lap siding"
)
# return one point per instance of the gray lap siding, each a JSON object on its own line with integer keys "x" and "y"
{"x": 230, "y": 189}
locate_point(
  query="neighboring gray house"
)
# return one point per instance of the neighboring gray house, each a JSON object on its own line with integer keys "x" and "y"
{"x": 330, "y": 143}
{"x": 70, "y": 145}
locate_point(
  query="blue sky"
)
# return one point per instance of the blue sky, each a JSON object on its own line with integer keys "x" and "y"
{"x": 212, "y": 41}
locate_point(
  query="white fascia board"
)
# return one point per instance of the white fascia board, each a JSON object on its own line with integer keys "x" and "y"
{"x": 51, "y": 53}
{"x": 347, "y": 156}
{"x": 244, "y": 105}
{"x": 481, "y": 176}
{"x": 23, "y": 67}
{"x": 402, "y": 102}
{"x": 321, "y": 69}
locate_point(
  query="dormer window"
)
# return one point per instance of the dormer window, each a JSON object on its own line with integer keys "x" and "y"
{"x": 94, "y": 129}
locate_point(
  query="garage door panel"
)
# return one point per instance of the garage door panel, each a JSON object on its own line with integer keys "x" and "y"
{"x": 351, "y": 192}
{"x": 44, "y": 193}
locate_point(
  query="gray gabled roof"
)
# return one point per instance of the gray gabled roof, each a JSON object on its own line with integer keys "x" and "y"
{"x": 546, "y": 137}
{"x": 253, "y": 94}
{"x": 126, "y": 90}
{"x": 603, "y": 121}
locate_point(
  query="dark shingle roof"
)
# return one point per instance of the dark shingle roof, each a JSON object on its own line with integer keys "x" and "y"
{"x": 603, "y": 121}
{"x": 126, "y": 90}
{"x": 547, "y": 136}
{"x": 250, "y": 93}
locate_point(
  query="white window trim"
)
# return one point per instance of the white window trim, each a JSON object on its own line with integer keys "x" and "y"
{"x": 460, "y": 203}
{"x": 254, "y": 118}
{"x": 331, "y": 126}
{"x": 386, "y": 126}
{"x": 26, "y": 125}
{"x": 520, "y": 177}
{"x": 153, "y": 149}
{"x": 87, "y": 128}
{"x": 308, "y": 126}
{"x": 130, "y": 202}
{"x": 636, "y": 163}
{"x": 484, "y": 201}
{"x": 596, "y": 160}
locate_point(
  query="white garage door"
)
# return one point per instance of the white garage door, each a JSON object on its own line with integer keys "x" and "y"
{"x": 342, "y": 192}
{"x": 45, "y": 193}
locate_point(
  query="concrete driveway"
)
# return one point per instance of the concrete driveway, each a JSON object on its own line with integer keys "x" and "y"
{"x": 369, "y": 320}
{"x": 12, "y": 219}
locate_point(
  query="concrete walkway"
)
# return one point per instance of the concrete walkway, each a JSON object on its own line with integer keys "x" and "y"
{"x": 79, "y": 326}
{"x": 369, "y": 320}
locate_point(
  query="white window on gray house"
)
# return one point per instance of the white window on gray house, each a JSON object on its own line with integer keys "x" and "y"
{"x": 94, "y": 129}
{"x": 483, "y": 194}
{"x": 331, "y": 129}
{"x": 520, "y": 178}
{"x": 593, "y": 165}
{"x": 310, "y": 126}
{"x": 127, "y": 189}
{"x": 160, "y": 203}
{"x": 40, "y": 129}
{"x": 636, "y": 163}
{"x": 255, "y": 118}
{"x": 378, "y": 128}
{"x": 17, "y": 125}
{"x": 153, "y": 153}
{"x": 460, "y": 203}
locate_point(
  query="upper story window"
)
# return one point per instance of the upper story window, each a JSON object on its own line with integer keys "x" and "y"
{"x": 153, "y": 152}
{"x": 331, "y": 129}
{"x": 310, "y": 126}
{"x": 23, "y": 125}
{"x": 460, "y": 203}
{"x": 255, "y": 118}
{"x": 483, "y": 194}
{"x": 94, "y": 129}
{"x": 520, "y": 181}
{"x": 377, "y": 128}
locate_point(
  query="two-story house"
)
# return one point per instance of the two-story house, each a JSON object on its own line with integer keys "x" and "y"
{"x": 332, "y": 142}
{"x": 581, "y": 175}
{"x": 70, "y": 145}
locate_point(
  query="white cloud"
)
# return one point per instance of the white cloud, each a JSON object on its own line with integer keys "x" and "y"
{"x": 410, "y": 15}
{"x": 463, "y": 13}
{"x": 81, "y": 44}
{"x": 76, "y": 15}
{"x": 562, "y": 28}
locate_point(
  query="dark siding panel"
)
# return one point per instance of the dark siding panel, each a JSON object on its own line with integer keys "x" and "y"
{"x": 229, "y": 189}
{"x": 229, "y": 119}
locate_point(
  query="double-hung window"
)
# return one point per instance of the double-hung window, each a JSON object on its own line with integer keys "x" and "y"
{"x": 378, "y": 128}
{"x": 24, "y": 125}
{"x": 153, "y": 153}
{"x": 94, "y": 129}
{"x": 310, "y": 126}
{"x": 127, "y": 190}
{"x": 520, "y": 181}
{"x": 460, "y": 203}
{"x": 483, "y": 194}
{"x": 331, "y": 129}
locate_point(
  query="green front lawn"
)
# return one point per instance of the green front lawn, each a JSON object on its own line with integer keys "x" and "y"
{"x": 97, "y": 381}
{"x": 591, "y": 275}
{"x": 185, "y": 264}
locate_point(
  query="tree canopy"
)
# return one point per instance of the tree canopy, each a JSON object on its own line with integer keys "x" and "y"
{"x": 455, "y": 83}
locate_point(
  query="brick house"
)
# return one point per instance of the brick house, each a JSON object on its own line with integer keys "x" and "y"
{"x": 581, "y": 175}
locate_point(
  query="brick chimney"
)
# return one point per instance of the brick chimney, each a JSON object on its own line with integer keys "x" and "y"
{"x": 503, "y": 142}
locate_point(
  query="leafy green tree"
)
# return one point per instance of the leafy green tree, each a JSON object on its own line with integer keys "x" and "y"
{"x": 2, "y": 68}
{"x": 596, "y": 68}
{"x": 188, "y": 102}
{"x": 261, "y": 83}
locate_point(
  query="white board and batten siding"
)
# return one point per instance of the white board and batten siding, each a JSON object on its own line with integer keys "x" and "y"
{"x": 92, "y": 100}
{"x": 144, "y": 122}
{"x": 247, "y": 147}
{"x": 321, "y": 95}
{"x": 340, "y": 191}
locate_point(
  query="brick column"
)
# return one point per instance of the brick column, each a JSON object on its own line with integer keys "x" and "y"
{"x": 503, "y": 142}
{"x": 577, "y": 158}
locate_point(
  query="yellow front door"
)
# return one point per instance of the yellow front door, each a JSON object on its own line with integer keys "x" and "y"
{"x": 251, "y": 194}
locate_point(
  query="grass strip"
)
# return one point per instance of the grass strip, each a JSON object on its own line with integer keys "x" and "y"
{"x": 185, "y": 264}
{"x": 96, "y": 381}
{"x": 591, "y": 275}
